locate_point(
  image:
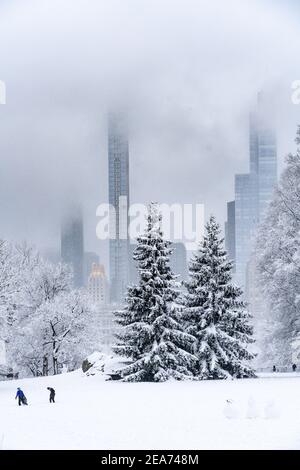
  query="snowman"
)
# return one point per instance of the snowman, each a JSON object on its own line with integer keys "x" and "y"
{"x": 252, "y": 410}
{"x": 231, "y": 410}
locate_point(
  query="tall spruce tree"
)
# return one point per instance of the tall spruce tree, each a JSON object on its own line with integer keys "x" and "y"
{"x": 151, "y": 332}
{"x": 214, "y": 314}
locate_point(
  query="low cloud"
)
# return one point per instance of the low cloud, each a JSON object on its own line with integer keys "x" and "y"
{"x": 187, "y": 72}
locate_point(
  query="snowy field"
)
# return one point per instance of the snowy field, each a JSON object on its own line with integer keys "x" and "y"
{"x": 93, "y": 414}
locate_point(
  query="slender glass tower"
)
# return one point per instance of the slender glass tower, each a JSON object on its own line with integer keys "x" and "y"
{"x": 118, "y": 169}
{"x": 230, "y": 232}
{"x": 254, "y": 190}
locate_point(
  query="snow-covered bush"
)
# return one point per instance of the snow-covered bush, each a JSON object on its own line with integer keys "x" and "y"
{"x": 99, "y": 363}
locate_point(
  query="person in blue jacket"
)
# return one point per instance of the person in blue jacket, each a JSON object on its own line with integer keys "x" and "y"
{"x": 21, "y": 397}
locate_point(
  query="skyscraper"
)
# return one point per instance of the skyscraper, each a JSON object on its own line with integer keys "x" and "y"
{"x": 98, "y": 285}
{"x": 245, "y": 222}
{"x": 230, "y": 231}
{"x": 263, "y": 157}
{"x": 72, "y": 243}
{"x": 89, "y": 258}
{"x": 253, "y": 191}
{"x": 118, "y": 167}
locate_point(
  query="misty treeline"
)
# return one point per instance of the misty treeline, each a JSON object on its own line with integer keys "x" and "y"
{"x": 278, "y": 263}
{"x": 201, "y": 333}
{"x": 45, "y": 322}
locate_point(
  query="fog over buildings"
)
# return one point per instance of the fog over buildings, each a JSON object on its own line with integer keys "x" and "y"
{"x": 186, "y": 72}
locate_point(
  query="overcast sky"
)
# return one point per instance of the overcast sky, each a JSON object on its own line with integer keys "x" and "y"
{"x": 187, "y": 71}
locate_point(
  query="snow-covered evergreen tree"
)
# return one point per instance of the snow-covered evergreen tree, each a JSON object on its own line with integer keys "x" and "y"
{"x": 151, "y": 334}
{"x": 214, "y": 314}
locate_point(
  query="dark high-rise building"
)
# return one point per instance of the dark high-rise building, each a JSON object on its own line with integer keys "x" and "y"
{"x": 72, "y": 243}
{"x": 230, "y": 231}
{"x": 118, "y": 167}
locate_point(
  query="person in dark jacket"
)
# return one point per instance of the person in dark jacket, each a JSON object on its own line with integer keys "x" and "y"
{"x": 52, "y": 394}
{"x": 21, "y": 397}
{"x": 294, "y": 367}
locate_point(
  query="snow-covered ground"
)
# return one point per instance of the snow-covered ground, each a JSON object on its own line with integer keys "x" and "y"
{"x": 93, "y": 414}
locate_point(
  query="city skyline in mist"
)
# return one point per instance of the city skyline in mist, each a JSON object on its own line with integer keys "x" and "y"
{"x": 186, "y": 72}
